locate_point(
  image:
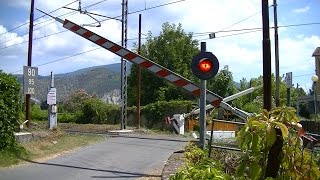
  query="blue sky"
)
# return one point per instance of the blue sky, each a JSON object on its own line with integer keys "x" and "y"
{"x": 242, "y": 53}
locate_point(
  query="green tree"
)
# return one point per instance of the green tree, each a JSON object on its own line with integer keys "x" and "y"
{"x": 9, "y": 109}
{"x": 222, "y": 84}
{"x": 253, "y": 101}
{"x": 75, "y": 101}
{"x": 173, "y": 49}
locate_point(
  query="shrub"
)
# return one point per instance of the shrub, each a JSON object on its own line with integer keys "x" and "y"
{"x": 258, "y": 136}
{"x": 38, "y": 114}
{"x": 156, "y": 112}
{"x": 199, "y": 166}
{"x": 67, "y": 117}
{"x": 9, "y": 110}
{"x": 97, "y": 112}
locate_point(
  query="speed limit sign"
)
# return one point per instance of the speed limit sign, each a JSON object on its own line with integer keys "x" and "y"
{"x": 30, "y": 78}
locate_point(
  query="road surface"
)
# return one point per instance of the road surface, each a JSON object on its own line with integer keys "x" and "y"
{"x": 121, "y": 157}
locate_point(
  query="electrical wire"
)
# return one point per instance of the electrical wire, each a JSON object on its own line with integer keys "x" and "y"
{"x": 36, "y": 19}
{"x": 67, "y": 57}
{"x": 146, "y": 9}
{"x": 52, "y": 20}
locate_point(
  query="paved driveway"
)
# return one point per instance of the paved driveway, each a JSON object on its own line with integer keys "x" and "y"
{"x": 121, "y": 157}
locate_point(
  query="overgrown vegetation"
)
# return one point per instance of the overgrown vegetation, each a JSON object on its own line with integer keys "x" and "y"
{"x": 259, "y": 134}
{"x": 9, "y": 116}
{"x": 156, "y": 112}
{"x": 199, "y": 166}
{"x": 9, "y": 110}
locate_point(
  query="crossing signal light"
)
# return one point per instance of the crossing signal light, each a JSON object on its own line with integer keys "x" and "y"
{"x": 205, "y": 65}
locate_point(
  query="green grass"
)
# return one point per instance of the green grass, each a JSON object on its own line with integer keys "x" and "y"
{"x": 10, "y": 157}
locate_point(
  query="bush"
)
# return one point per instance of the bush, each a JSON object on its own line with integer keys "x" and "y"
{"x": 67, "y": 117}
{"x": 9, "y": 110}
{"x": 38, "y": 114}
{"x": 95, "y": 111}
{"x": 156, "y": 112}
{"x": 75, "y": 101}
{"x": 199, "y": 166}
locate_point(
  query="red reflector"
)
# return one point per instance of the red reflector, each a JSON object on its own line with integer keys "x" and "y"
{"x": 205, "y": 65}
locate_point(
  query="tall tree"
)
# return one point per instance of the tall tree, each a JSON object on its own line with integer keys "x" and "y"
{"x": 222, "y": 84}
{"x": 173, "y": 49}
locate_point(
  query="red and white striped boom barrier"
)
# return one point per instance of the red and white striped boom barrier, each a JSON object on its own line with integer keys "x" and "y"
{"x": 143, "y": 62}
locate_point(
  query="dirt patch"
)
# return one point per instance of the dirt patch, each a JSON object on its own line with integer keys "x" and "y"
{"x": 175, "y": 161}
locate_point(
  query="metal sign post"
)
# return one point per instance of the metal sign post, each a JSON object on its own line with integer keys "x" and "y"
{"x": 288, "y": 79}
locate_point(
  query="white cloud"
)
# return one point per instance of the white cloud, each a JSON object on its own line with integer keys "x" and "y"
{"x": 242, "y": 53}
{"x": 301, "y": 10}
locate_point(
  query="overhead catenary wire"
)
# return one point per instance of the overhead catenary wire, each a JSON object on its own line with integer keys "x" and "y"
{"x": 48, "y": 20}
{"x": 21, "y": 25}
{"x": 145, "y": 9}
{"x": 70, "y": 56}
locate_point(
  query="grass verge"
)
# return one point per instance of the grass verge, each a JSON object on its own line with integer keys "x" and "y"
{"x": 54, "y": 144}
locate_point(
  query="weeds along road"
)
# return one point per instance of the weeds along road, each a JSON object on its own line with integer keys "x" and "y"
{"x": 120, "y": 157}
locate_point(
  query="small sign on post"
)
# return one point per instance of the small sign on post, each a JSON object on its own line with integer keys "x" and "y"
{"x": 52, "y": 96}
{"x": 30, "y": 79}
{"x": 288, "y": 79}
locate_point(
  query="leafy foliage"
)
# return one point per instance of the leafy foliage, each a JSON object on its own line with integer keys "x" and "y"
{"x": 253, "y": 101}
{"x": 259, "y": 134}
{"x": 95, "y": 111}
{"x": 38, "y": 114}
{"x": 76, "y": 100}
{"x": 66, "y": 117}
{"x": 222, "y": 84}
{"x": 9, "y": 110}
{"x": 156, "y": 112}
{"x": 199, "y": 166}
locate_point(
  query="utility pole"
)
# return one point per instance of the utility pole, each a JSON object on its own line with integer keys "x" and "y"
{"x": 273, "y": 163}
{"x": 28, "y": 96}
{"x": 124, "y": 65}
{"x": 139, "y": 78}
{"x": 276, "y": 50}
{"x": 266, "y": 56}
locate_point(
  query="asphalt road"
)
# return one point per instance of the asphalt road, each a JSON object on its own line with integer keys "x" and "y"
{"x": 123, "y": 157}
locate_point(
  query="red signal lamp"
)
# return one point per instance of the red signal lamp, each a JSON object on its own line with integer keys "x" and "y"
{"x": 205, "y": 65}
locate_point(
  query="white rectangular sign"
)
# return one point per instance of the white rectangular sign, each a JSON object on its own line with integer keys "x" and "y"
{"x": 30, "y": 79}
{"x": 289, "y": 80}
{"x": 52, "y": 96}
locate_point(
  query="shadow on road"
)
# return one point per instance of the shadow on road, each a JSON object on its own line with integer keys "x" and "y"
{"x": 121, "y": 174}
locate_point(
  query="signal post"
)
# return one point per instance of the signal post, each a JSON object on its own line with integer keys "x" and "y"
{"x": 205, "y": 65}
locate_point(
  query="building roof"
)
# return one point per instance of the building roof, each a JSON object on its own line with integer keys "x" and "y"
{"x": 316, "y": 52}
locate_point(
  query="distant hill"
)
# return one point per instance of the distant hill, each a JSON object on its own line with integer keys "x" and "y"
{"x": 98, "y": 80}
{"x": 104, "y": 81}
